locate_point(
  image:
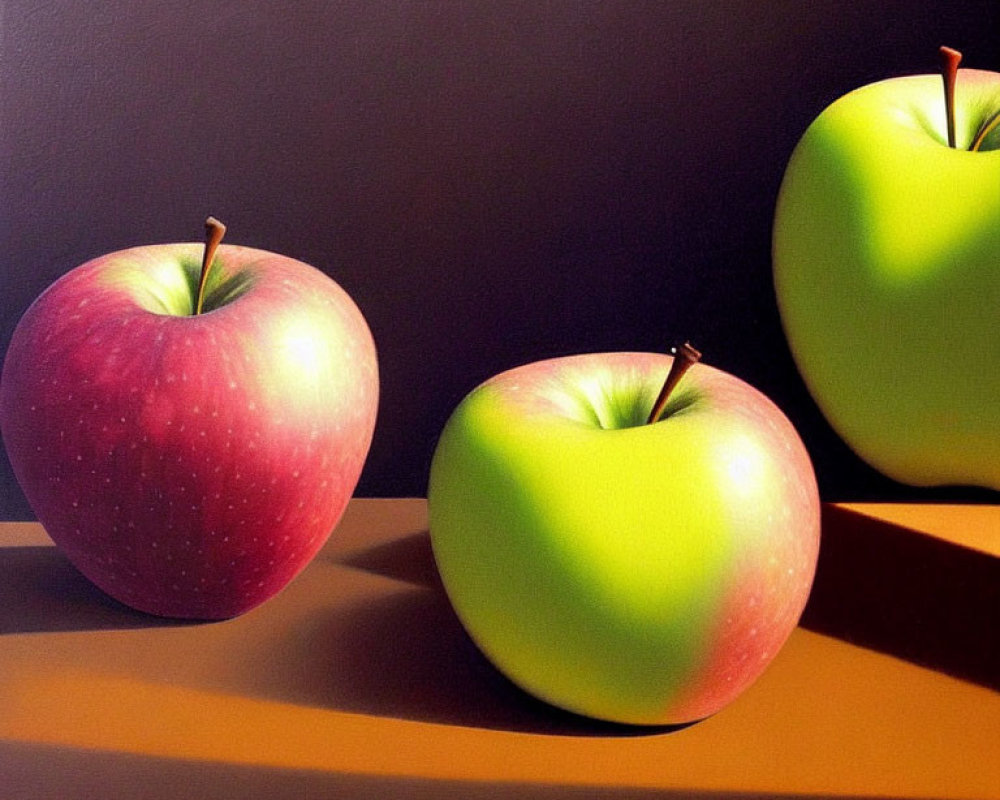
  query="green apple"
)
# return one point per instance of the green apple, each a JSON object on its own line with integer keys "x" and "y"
{"x": 886, "y": 254}
{"x": 637, "y": 572}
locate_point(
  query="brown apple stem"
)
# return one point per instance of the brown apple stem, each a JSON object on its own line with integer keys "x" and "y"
{"x": 214, "y": 231}
{"x": 685, "y": 357}
{"x": 984, "y": 130}
{"x": 950, "y": 59}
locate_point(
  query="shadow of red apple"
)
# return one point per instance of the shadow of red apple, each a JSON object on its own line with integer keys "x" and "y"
{"x": 41, "y": 591}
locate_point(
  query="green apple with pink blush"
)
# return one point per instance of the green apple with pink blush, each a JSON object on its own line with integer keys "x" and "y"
{"x": 628, "y": 536}
{"x": 886, "y": 257}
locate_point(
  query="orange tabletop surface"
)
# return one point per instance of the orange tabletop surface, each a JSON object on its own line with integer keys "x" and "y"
{"x": 358, "y": 681}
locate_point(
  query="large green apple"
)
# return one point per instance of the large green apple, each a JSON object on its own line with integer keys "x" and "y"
{"x": 887, "y": 272}
{"x": 632, "y": 572}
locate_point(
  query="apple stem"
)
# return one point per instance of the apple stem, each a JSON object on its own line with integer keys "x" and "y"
{"x": 685, "y": 357}
{"x": 984, "y": 130}
{"x": 214, "y": 231}
{"x": 950, "y": 59}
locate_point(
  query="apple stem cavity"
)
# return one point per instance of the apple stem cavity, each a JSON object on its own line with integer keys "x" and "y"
{"x": 950, "y": 59}
{"x": 685, "y": 357}
{"x": 984, "y": 130}
{"x": 214, "y": 231}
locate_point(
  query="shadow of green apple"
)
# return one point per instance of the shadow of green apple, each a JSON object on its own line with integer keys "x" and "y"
{"x": 901, "y": 592}
{"x": 405, "y": 654}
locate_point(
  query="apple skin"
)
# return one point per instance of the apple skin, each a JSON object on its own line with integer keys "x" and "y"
{"x": 190, "y": 466}
{"x": 886, "y": 255}
{"x": 641, "y": 574}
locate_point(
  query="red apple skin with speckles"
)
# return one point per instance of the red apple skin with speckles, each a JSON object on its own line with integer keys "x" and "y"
{"x": 190, "y": 465}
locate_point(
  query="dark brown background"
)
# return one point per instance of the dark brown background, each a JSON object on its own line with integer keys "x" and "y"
{"x": 493, "y": 182}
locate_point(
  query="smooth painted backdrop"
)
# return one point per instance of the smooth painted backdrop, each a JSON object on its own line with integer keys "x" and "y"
{"x": 493, "y": 182}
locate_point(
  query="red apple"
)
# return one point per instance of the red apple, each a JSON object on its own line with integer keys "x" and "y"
{"x": 189, "y": 429}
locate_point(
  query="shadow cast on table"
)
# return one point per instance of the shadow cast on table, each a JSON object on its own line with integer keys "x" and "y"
{"x": 908, "y": 594}
{"x": 878, "y": 585}
{"x": 41, "y": 591}
{"x": 40, "y": 772}
{"x": 408, "y": 558}
{"x": 404, "y": 654}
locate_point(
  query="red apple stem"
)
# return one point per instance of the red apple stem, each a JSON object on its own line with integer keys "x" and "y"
{"x": 950, "y": 59}
{"x": 214, "y": 231}
{"x": 685, "y": 357}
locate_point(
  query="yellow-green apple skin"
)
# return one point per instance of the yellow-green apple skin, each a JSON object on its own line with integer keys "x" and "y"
{"x": 190, "y": 465}
{"x": 886, "y": 253}
{"x": 641, "y": 574}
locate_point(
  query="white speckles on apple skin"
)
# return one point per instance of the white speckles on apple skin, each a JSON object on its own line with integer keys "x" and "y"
{"x": 182, "y": 425}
